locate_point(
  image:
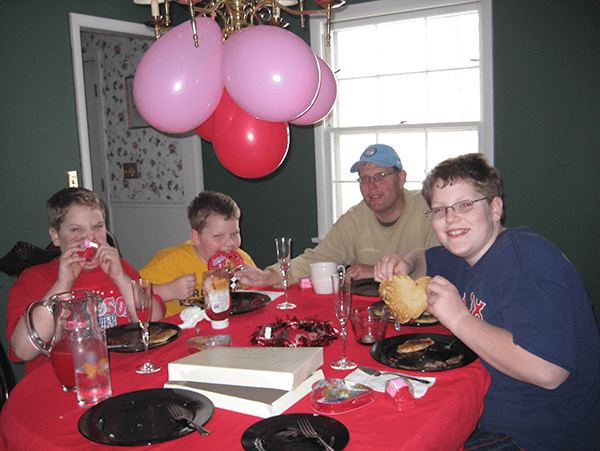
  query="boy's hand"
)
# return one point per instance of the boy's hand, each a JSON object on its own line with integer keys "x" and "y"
{"x": 445, "y": 302}
{"x": 70, "y": 265}
{"x": 390, "y": 265}
{"x": 183, "y": 287}
{"x": 110, "y": 260}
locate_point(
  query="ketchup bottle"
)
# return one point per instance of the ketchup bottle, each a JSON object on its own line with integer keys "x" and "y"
{"x": 217, "y": 299}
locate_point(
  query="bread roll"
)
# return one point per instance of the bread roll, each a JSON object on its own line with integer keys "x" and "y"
{"x": 405, "y": 297}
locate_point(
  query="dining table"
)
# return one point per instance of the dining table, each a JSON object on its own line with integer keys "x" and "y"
{"x": 40, "y": 415}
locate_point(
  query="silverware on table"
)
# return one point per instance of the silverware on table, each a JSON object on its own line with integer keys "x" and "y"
{"x": 308, "y": 431}
{"x": 180, "y": 414}
{"x": 374, "y": 372}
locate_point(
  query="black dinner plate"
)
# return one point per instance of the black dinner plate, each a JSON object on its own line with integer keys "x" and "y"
{"x": 365, "y": 287}
{"x": 424, "y": 320}
{"x": 241, "y": 301}
{"x": 282, "y": 432}
{"x": 142, "y": 417}
{"x": 433, "y": 358}
{"x": 247, "y": 301}
{"x": 128, "y": 337}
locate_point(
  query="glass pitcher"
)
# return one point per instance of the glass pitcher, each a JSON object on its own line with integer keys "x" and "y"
{"x": 71, "y": 310}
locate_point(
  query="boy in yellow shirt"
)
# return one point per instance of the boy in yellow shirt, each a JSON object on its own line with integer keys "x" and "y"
{"x": 177, "y": 271}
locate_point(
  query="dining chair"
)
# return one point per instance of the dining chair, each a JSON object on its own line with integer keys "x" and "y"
{"x": 24, "y": 255}
{"x": 7, "y": 377}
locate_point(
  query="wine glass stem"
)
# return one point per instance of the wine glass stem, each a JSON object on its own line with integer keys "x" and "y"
{"x": 145, "y": 340}
{"x": 343, "y": 334}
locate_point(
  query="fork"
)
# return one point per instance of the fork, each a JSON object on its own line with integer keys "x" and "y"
{"x": 179, "y": 413}
{"x": 308, "y": 431}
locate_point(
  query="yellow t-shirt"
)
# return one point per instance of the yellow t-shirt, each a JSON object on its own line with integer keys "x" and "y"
{"x": 173, "y": 262}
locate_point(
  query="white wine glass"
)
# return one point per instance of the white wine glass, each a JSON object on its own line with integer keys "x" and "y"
{"x": 284, "y": 253}
{"x": 342, "y": 300}
{"x": 142, "y": 296}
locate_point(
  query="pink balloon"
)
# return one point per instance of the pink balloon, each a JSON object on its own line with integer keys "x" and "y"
{"x": 177, "y": 86}
{"x": 271, "y": 73}
{"x": 325, "y": 98}
{"x": 246, "y": 146}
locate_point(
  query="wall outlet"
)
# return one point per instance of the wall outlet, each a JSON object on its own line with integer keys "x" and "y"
{"x": 73, "y": 179}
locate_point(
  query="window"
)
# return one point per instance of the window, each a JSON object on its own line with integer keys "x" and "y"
{"x": 413, "y": 75}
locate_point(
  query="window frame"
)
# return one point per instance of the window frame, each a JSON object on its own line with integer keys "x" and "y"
{"x": 324, "y": 139}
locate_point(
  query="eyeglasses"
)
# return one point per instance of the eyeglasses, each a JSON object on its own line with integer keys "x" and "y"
{"x": 364, "y": 179}
{"x": 460, "y": 207}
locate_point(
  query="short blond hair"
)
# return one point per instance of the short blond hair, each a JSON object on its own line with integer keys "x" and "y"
{"x": 209, "y": 203}
{"x": 60, "y": 203}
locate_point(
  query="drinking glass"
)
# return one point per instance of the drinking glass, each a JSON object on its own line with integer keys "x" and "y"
{"x": 342, "y": 300}
{"x": 142, "y": 296}
{"x": 284, "y": 247}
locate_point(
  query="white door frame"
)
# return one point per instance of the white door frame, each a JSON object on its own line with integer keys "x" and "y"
{"x": 79, "y": 23}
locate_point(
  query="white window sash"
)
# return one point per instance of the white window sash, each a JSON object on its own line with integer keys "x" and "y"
{"x": 323, "y": 138}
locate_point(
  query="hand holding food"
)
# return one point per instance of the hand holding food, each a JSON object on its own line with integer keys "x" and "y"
{"x": 405, "y": 297}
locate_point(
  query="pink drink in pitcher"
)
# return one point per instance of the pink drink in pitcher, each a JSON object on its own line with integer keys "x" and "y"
{"x": 61, "y": 357}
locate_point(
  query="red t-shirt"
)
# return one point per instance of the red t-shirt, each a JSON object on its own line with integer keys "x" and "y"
{"x": 35, "y": 282}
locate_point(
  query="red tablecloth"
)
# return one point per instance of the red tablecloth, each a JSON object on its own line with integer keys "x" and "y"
{"x": 39, "y": 415}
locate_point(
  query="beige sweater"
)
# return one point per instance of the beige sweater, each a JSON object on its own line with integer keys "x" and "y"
{"x": 358, "y": 237}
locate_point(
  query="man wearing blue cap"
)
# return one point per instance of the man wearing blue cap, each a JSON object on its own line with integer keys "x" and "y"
{"x": 389, "y": 218}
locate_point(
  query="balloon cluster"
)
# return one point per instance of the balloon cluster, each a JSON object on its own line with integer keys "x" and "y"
{"x": 239, "y": 94}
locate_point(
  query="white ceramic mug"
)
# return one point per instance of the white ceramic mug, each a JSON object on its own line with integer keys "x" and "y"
{"x": 320, "y": 276}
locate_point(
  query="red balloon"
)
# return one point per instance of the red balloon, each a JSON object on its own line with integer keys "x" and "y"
{"x": 246, "y": 146}
{"x": 205, "y": 130}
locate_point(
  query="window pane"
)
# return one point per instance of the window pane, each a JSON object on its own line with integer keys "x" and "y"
{"x": 454, "y": 96}
{"x": 411, "y": 148}
{"x": 402, "y": 47}
{"x": 447, "y": 144}
{"x": 453, "y": 41}
{"x": 357, "y": 102}
{"x": 349, "y": 151}
{"x": 403, "y": 99}
{"x": 349, "y": 196}
{"x": 354, "y": 52}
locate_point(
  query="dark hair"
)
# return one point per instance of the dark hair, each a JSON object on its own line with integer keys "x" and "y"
{"x": 209, "y": 203}
{"x": 60, "y": 203}
{"x": 472, "y": 168}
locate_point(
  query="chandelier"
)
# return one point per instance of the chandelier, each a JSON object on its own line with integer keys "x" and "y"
{"x": 236, "y": 77}
{"x": 238, "y": 14}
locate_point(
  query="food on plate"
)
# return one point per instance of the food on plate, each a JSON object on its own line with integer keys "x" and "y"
{"x": 405, "y": 297}
{"x": 161, "y": 335}
{"x": 417, "y": 344}
{"x": 427, "y": 318}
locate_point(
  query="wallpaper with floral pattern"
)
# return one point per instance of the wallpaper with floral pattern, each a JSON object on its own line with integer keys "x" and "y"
{"x": 159, "y": 161}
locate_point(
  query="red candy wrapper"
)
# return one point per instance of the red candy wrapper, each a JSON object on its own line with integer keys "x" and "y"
{"x": 90, "y": 250}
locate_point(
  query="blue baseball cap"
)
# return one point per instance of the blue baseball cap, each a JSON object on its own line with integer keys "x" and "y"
{"x": 378, "y": 154}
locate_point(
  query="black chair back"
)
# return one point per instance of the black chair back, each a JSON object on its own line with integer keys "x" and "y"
{"x": 7, "y": 377}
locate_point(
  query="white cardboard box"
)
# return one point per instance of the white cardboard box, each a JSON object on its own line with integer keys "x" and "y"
{"x": 277, "y": 367}
{"x": 260, "y": 402}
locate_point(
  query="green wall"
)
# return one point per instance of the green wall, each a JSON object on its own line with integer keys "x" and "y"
{"x": 547, "y": 92}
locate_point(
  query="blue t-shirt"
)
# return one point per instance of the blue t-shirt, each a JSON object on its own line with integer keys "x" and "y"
{"x": 524, "y": 284}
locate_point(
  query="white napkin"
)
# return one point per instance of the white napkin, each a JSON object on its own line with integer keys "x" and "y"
{"x": 377, "y": 383}
{"x": 191, "y": 316}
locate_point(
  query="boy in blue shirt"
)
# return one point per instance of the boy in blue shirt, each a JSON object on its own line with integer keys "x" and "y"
{"x": 514, "y": 299}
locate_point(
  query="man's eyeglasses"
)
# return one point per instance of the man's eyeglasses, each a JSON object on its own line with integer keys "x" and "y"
{"x": 364, "y": 179}
{"x": 460, "y": 207}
